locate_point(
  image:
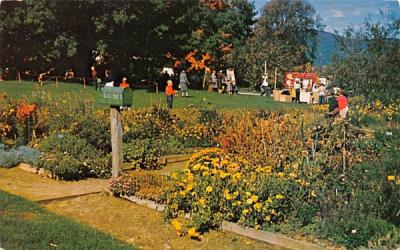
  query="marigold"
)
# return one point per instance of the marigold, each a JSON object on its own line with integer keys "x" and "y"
{"x": 209, "y": 189}
{"x": 258, "y": 206}
{"x": 254, "y": 198}
{"x": 268, "y": 217}
{"x": 249, "y": 201}
{"x": 245, "y": 211}
{"x": 202, "y": 201}
{"x": 279, "y": 196}
{"x": 192, "y": 233}
{"x": 391, "y": 177}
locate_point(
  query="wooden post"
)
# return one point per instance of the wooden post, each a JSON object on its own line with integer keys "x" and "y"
{"x": 116, "y": 141}
{"x": 19, "y": 77}
{"x": 56, "y": 81}
{"x": 84, "y": 82}
{"x": 157, "y": 87}
{"x": 276, "y": 72}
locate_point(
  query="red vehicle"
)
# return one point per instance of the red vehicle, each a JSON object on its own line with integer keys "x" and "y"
{"x": 290, "y": 77}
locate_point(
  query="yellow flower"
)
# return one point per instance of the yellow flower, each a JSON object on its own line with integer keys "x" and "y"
{"x": 174, "y": 176}
{"x": 196, "y": 167}
{"x": 189, "y": 176}
{"x": 258, "y": 206}
{"x": 223, "y": 175}
{"x": 189, "y": 187}
{"x": 245, "y": 211}
{"x": 254, "y": 198}
{"x": 209, "y": 189}
{"x": 227, "y": 195}
{"x": 178, "y": 227}
{"x": 391, "y": 177}
{"x": 279, "y": 196}
{"x": 248, "y": 194}
{"x": 202, "y": 201}
{"x": 268, "y": 218}
{"x": 249, "y": 201}
{"x": 269, "y": 200}
{"x": 281, "y": 174}
{"x": 192, "y": 233}
{"x": 313, "y": 193}
{"x": 182, "y": 193}
{"x": 293, "y": 175}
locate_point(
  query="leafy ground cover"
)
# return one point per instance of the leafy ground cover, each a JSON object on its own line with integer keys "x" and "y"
{"x": 25, "y": 225}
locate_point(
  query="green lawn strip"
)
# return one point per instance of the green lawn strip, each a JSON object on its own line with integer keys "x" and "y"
{"x": 25, "y": 225}
{"x": 142, "y": 98}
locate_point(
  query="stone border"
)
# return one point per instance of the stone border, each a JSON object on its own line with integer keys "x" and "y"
{"x": 268, "y": 237}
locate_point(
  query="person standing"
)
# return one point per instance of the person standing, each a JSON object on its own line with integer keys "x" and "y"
{"x": 170, "y": 92}
{"x": 321, "y": 94}
{"x": 342, "y": 105}
{"x": 183, "y": 83}
{"x": 94, "y": 77}
{"x": 110, "y": 80}
{"x": 124, "y": 84}
{"x": 220, "y": 80}
{"x": 297, "y": 90}
{"x": 264, "y": 86}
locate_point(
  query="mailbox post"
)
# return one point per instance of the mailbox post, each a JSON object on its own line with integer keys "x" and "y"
{"x": 117, "y": 98}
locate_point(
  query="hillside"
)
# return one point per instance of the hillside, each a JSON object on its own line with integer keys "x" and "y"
{"x": 325, "y": 48}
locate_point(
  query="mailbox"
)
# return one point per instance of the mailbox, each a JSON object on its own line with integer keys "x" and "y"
{"x": 115, "y": 96}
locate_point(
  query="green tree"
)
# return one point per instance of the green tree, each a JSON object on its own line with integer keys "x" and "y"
{"x": 29, "y": 37}
{"x": 284, "y": 37}
{"x": 367, "y": 60}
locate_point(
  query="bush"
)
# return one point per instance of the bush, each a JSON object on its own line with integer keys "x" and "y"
{"x": 141, "y": 153}
{"x": 13, "y": 157}
{"x": 9, "y": 159}
{"x": 28, "y": 155}
{"x": 69, "y": 157}
{"x": 144, "y": 185}
{"x": 94, "y": 127}
{"x": 354, "y": 230}
{"x": 218, "y": 186}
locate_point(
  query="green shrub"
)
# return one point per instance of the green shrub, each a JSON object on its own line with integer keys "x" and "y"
{"x": 13, "y": 157}
{"x": 353, "y": 230}
{"x": 70, "y": 157}
{"x": 9, "y": 159}
{"x": 141, "y": 153}
{"x": 94, "y": 127}
{"x": 28, "y": 155}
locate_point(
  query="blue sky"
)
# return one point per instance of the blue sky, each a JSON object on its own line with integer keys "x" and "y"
{"x": 338, "y": 14}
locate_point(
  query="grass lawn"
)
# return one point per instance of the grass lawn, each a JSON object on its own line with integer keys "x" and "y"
{"x": 142, "y": 98}
{"x": 25, "y": 225}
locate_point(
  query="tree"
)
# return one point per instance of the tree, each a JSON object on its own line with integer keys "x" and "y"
{"x": 284, "y": 37}
{"x": 29, "y": 37}
{"x": 367, "y": 61}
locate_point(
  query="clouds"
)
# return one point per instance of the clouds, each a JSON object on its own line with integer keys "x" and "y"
{"x": 339, "y": 14}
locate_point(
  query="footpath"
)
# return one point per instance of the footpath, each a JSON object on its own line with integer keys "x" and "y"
{"x": 86, "y": 202}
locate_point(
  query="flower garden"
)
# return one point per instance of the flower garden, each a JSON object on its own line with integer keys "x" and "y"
{"x": 293, "y": 172}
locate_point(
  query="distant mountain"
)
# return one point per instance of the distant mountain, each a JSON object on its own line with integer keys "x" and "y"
{"x": 325, "y": 48}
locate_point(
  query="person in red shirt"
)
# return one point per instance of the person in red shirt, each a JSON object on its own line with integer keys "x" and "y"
{"x": 124, "y": 84}
{"x": 342, "y": 105}
{"x": 170, "y": 92}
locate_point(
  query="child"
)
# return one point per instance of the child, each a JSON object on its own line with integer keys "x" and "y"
{"x": 170, "y": 92}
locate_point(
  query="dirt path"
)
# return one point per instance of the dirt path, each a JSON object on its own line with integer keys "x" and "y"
{"x": 122, "y": 219}
{"x": 142, "y": 226}
{"x": 31, "y": 186}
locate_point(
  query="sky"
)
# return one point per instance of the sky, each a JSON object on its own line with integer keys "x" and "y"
{"x": 338, "y": 14}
